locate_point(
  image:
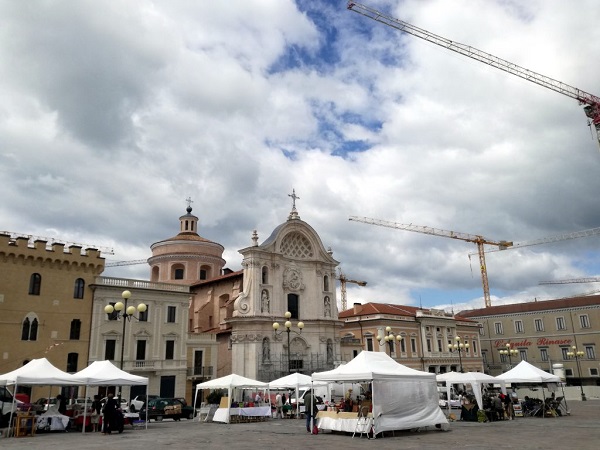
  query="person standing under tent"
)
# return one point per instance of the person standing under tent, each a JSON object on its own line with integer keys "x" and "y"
{"x": 96, "y": 409}
{"x": 110, "y": 412}
{"x": 278, "y": 407}
{"x": 310, "y": 411}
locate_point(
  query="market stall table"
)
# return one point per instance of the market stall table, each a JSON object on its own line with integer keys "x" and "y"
{"x": 339, "y": 421}
{"x": 242, "y": 414}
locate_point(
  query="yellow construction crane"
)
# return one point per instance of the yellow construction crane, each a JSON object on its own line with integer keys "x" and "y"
{"x": 476, "y": 239}
{"x": 126, "y": 263}
{"x": 343, "y": 280}
{"x": 573, "y": 280}
{"x": 549, "y": 239}
{"x": 591, "y": 102}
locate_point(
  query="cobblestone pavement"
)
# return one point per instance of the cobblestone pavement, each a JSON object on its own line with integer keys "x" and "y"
{"x": 578, "y": 431}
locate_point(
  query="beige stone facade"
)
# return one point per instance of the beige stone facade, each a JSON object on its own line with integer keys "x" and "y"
{"x": 155, "y": 344}
{"x": 426, "y": 336}
{"x": 290, "y": 271}
{"x": 543, "y": 333}
{"x": 45, "y": 304}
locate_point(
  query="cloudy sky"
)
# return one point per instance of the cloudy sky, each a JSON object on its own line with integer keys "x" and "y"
{"x": 114, "y": 112}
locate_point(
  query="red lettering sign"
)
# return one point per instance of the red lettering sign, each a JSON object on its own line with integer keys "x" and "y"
{"x": 527, "y": 343}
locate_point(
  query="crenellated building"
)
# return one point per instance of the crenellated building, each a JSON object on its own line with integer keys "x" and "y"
{"x": 45, "y": 302}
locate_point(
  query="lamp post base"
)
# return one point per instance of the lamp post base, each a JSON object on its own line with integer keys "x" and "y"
{"x": 583, "y": 397}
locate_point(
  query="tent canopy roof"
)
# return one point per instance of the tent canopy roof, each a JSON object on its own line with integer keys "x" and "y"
{"x": 368, "y": 366}
{"x": 469, "y": 377}
{"x": 527, "y": 373}
{"x": 231, "y": 381}
{"x": 38, "y": 372}
{"x": 294, "y": 380}
{"x": 104, "y": 373}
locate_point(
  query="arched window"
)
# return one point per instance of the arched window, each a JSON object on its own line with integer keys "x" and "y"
{"x": 25, "y": 329}
{"x": 75, "y": 329}
{"x": 35, "y": 284}
{"x": 33, "y": 330}
{"x": 326, "y": 283}
{"x": 29, "y": 329}
{"x": 265, "y": 275}
{"x": 203, "y": 274}
{"x": 78, "y": 288}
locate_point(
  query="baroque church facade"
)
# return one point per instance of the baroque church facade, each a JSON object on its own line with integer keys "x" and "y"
{"x": 290, "y": 272}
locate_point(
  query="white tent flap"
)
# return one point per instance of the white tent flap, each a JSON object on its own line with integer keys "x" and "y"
{"x": 403, "y": 397}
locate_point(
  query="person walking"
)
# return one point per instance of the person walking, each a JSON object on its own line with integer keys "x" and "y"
{"x": 110, "y": 411}
{"x": 278, "y": 407}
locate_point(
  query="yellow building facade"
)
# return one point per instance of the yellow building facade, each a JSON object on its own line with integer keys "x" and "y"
{"x": 425, "y": 337}
{"x": 45, "y": 304}
{"x": 544, "y": 334}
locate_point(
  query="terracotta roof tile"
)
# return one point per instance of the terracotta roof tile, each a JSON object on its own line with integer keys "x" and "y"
{"x": 235, "y": 274}
{"x": 380, "y": 308}
{"x": 532, "y": 306}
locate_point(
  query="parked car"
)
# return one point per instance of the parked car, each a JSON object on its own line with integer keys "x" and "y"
{"x": 169, "y": 408}
{"x": 443, "y": 401}
{"x": 79, "y": 403}
{"x": 42, "y": 404}
{"x": 124, "y": 403}
{"x": 139, "y": 401}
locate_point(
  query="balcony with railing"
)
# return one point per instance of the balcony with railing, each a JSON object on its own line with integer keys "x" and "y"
{"x": 139, "y": 284}
{"x": 148, "y": 365}
{"x": 200, "y": 372}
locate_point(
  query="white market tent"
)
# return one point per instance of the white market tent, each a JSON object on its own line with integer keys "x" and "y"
{"x": 403, "y": 398}
{"x": 37, "y": 372}
{"x": 475, "y": 379}
{"x": 105, "y": 373}
{"x": 527, "y": 373}
{"x": 230, "y": 382}
{"x": 295, "y": 381}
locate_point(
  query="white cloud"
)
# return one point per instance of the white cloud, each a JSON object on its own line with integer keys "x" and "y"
{"x": 113, "y": 113}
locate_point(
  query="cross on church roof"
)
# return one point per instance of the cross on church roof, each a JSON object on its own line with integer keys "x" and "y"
{"x": 294, "y": 213}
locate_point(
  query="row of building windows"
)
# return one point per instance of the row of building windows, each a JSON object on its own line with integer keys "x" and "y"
{"x": 29, "y": 329}
{"x": 35, "y": 286}
{"x": 143, "y": 316}
{"x": 538, "y": 324}
{"x": 178, "y": 273}
{"x": 140, "y": 349}
{"x": 590, "y": 353}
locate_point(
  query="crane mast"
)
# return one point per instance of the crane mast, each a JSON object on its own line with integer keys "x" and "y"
{"x": 591, "y": 102}
{"x": 480, "y": 241}
{"x": 343, "y": 280}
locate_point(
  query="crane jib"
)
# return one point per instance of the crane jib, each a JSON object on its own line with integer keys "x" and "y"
{"x": 592, "y": 102}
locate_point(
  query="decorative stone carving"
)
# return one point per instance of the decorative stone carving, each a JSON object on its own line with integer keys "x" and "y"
{"x": 264, "y": 301}
{"x": 292, "y": 279}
